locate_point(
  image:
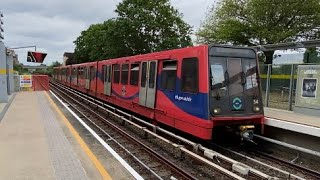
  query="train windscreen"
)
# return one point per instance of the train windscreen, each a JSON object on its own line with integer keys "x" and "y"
{"x": 234, "y": 81}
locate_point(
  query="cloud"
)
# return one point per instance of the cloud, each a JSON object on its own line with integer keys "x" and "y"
{"x": 53, "y": 25}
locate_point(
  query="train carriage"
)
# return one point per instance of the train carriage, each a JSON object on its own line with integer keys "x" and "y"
{"x": 191, "y": 89}
{"x": 65, "y": 75}
{"x": 77, "y": 77}
{"x": 86, "y": 76}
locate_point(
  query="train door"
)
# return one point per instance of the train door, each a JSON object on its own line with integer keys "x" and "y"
{"x": 147, "y": 92}
{"x": 107, "y": 79}
{"x": 87, "y": 78}
{"x": 68, "y": 77}
{"x": 235, "y": 87}
{"x": 92, "y": 78}
{"x": 77, "y": 75}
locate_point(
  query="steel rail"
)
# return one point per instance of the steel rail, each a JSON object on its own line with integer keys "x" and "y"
{"x": 179, "y": 147}
{"x": 183, "y": 173}
{"x": 107, "y": 134}
{"x": 207, "y": 153}
{"x": 310, "y": 172}
{"x": 287, "y": 174}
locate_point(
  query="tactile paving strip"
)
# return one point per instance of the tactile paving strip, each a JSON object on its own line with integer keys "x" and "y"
{"x": 64, "y": 160}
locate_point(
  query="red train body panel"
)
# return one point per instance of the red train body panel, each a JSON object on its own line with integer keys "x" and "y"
{"x": 191, "y": 89}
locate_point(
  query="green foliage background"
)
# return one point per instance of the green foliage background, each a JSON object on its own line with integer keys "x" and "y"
{"x": 260, "y": 22}
{"x": 140, "y": 27}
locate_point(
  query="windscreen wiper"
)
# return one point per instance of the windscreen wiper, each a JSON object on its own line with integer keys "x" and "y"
{"x": 243, "y": 78}
{"x": 226, "y": 77}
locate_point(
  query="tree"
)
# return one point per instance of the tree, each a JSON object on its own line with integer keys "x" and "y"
{"x": 100, "y": 41}
{"x": 49, "y": 70}
{"x": 19, "y": 68}
{"x": 55, "y": 64}
{"x": 150, "y": 26}
{"x": 260, "y": 22}
{"x": 141, "y": 27}
{"x": 311, "y": 55}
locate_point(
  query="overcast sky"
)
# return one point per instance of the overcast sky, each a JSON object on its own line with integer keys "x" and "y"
{"x": 53, "y": 25}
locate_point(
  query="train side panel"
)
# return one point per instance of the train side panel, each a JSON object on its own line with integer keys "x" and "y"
{"x": 186, "y": 111}
{"x": 185, "y": 105}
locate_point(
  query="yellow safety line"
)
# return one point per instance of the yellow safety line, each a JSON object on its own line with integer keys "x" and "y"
{"x": 3, "y": 71}
{"x": 83, "y": 145}
{"x": 278, "y": 76}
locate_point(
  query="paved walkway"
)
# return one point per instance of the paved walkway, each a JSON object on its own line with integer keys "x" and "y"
{"x": 4, "y": 106}
{"x": 33, "y": 145}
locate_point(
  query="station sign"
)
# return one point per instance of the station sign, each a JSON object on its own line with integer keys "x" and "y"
{"x": 308, "y": 87}
{"x": 25, "y": 81}
{"x": 36, "y": 57}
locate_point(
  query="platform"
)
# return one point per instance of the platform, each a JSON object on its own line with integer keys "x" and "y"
{"x": 4, "y": 106}
{"x": 292, "y": 121}
{"x": 34, "y": 144}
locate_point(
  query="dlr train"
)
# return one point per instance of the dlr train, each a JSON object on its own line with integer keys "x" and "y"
{"x": 195, "y": 89}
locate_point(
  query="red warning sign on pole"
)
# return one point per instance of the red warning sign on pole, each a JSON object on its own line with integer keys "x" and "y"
{"x": 36, "y": 57}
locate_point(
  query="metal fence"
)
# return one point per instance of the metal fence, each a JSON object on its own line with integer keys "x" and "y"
{"x": 279, "y": 85}
{"x": 40, "y": 83}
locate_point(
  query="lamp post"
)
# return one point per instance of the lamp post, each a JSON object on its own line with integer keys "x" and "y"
{"x": 1, "y": 28}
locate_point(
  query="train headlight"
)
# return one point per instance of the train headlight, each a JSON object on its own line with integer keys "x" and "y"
{"x": 256, "y": 108}
{"x": 217, "y": 111}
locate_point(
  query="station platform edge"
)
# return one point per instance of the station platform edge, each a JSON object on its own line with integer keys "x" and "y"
{"x": 35, "y": 145}
{"x": 289, "y": 120}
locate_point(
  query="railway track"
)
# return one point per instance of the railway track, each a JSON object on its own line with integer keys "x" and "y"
{"x": 148, "y": 151}
{"x": 291, "y": 162}
{"x": 154, "y": 166}
{"x": 309, "y": 173}
{"x": 145, "y": 160}
{"x": 276, "y": 166}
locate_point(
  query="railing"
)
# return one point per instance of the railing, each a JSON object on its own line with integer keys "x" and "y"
{"x": 279, "y": 85}
{"x": 40, "y": 83}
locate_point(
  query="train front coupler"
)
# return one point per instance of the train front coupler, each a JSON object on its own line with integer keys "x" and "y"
{"x": 246, "y": 132}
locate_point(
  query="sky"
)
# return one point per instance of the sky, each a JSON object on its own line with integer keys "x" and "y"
{"x": 53, "y": 25}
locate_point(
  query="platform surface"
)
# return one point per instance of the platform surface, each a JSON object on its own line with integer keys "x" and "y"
{"x": 292, "y": 117}
{"x": 34, "y": 145}
{"x": 292, "y": 121}
{"x": 4, "y": 106}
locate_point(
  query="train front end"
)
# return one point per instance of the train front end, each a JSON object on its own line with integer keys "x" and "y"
{"x": 235, "y": 93}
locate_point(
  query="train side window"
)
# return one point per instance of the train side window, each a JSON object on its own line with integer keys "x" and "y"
{"x": 124, "y": 74}
{"x": 116, "y": 73}
{"x": 68, "y": 72}
{"x": 134, "y": 74}
{"x": 73, "y": 72}
{"x": 143, "y": 74}
{"x": 80, "y": 72}
{"x": 84, "y": 72}
{"x": 169, "y": 75}
{"x": 104, "y": 73}
{"x": 189, "y": 75}
{"x": 92, "y": 72}
{"x": 77, "y": 75}
{"x": 152, "y": 74}
{"x": 110, "y": 71}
